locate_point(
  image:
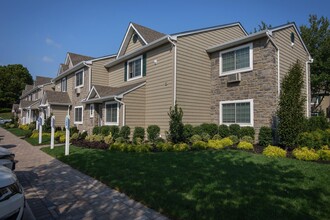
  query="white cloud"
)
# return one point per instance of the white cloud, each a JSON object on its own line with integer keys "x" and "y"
{"x": 51, "y": 42}
{"x": 47, "y": 59}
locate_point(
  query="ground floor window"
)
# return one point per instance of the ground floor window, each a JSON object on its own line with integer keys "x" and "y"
{"x": 237, "y": 112}
{"x": 111, "y": 113}
{"x": 78, "y": 115}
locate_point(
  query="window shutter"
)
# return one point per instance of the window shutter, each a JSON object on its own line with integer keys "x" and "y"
{"x": 144, "y": 73}
{"x": 125, "y": 73}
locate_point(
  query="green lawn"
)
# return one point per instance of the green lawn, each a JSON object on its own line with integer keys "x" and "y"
{"x": 6, "y": 115}
{"x": 225, "y": 184}
{"x": 35, "y": 141}
{"x": 17, "y": 131}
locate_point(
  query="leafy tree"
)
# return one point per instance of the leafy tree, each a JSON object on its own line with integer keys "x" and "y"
{"x": 317, "y": 39}
{"x": 261, "y": 27}
{"x": 291, "y": 106}
{"x": 176, "y": 134}
{"x": 13, "y": 79}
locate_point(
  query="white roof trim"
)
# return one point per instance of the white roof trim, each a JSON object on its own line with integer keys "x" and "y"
{"x": 73, "y": 69}
{"x": 103, "y": 58}
{"x": 90, "y": 93}
{"x": 129, "y": 32}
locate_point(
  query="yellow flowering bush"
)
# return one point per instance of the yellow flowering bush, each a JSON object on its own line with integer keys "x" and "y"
{"x": 273, "y": 151}
{"x": 226, "y": 142}
{"x": 215, "y": 144}
{"x": 324, "y": 153}
{"x": 244, "y": 145}
{"x": 305, "y": 153}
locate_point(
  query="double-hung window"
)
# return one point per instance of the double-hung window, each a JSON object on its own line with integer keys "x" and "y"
{"x": 237, "y": 112}
{"x": 236, "y": 60}
{"x": 63, "y": 84}
{"x": 111, "y": 113}
{"x": 80, "y": 78}
{"x": 78, "y": 115}
{"x": 134, "y": 68}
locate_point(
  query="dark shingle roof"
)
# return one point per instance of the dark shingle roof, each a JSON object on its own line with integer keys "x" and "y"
{"x": 77, "y": 58}
{"x": 64, "y": 67}
{"x": 26, "y": 90}
{"x": 148, "y": 34}
{"x": 55, "y": 97}
{"x": 40, "y": 80}
{"x": 25, "y": 104}
{"x": 105, "y": 91}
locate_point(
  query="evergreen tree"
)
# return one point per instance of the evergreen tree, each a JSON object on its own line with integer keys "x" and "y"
{"x": 291, "y": 106}
{"x": 176, "y": 125}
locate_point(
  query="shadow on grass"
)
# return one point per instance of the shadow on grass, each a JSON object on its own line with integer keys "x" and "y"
{"x": 211, "y": 184}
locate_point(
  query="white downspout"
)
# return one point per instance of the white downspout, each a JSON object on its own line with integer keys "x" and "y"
{"x": 307, "y": 85}
{"x": 124, "y": 108}
{"x": 269, "y": 34}
{"x": 174, "y": 71}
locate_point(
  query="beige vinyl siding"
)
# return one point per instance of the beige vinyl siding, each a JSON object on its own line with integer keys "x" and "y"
{"x": 194, "y": 70}
{"x": 59, "y": 112}
{"x": 100, "y": 75}
{"x": 135, "y": 102}
{"x": 290, "y": 54}
{"x": 133, "y": 46}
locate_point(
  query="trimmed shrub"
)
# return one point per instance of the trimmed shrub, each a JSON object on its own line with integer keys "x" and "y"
{"x": 125, "y": 132}
{"x": 73, "y": 130}
{"x": 120, "y": 140}
{"x": 247, "y": 131}
{"x": 114, "y": 129}
{"x": 324, "y": 153}
{"x": 32, "y": 126}
{"x": 317, "y": 122}
{"x": 247, "y": 139}
{"x": 215, "y": 144}
{"x": 243, "y": 145}
{"x": 197, "y": 130}
{"x": 176, "y": 125}
{"x": 234, "y": 129}
{"x": 265, "y": 136}
{"x": 227, "y": 142}
{"x": 273, "y": 151}
{"x": 105, "y": 130}
{"x": 216, "y": 137}
{"x": 138, "y": 133}
{"x": 195, "y": 138}
{"x": 199, "y": 145}
{"x": 153, "y": 133}
{"x": 75, "y": 136}
{"x": 11, "y": 125}
{"x": 24, "y": 127}
{"x": 234, "y": 139}
{"x": 305, "y": 154}
{"x": 164, "y": 146}
{"x": 143, "y": 148}
{"x": 224, "y": 131}
{"x": 205, "y": 137}
{"x": 315, "y": 139}
{"x": 96, "y": 130}
{"x": 209, "y": 128}
{"x": 46, "y": 126}
{"x": 159, "y": 140}
{"x": 94, "y": 137}
{"x": 62, "y": 138}
{"x": 28, "y": 134}
{"x": 188, "y": 131}
{"x": 83, "y": 135}
{"x": 108, "y": 139}
{"x": 58, "y": 128}
{"x": 180, "y": 147}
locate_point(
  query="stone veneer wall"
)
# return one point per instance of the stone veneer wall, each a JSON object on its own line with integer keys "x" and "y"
{"x": 260, "y": 84}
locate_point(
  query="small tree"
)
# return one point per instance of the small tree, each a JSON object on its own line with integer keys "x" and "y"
{"x": 176, "y": 126}
{"x": 153, "y": 133}
{"x": 291, "y": 106}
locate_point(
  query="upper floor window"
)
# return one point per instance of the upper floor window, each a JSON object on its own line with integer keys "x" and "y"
{"x": 80, "y": 78}
{"x": 63, "y": 85}
{"x": 134, "y": 68}
{"x": 235, "y": 60}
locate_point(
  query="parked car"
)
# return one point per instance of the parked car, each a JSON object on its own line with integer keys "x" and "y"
{"x": 7, "y": 158}
{"x": 12, "y": 200}
{"x": 4, "y": 121}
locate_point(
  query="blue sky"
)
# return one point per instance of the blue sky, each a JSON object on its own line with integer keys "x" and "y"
{"x": 39, "y": 33}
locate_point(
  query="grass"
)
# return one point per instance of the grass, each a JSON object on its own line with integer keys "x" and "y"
{"x": 35, "y": 141}
{"x": 224, "y": 184}
{"x": 6, "y": 115}
{"x": 17, "y": 131}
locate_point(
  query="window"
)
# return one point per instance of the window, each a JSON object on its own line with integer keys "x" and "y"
{"x": 78, "y": 115}
{"x": 134, "y": 68}
{"x": 111, "y": 113}
{"x": 80, "y": 78}
{"x": 63, "y": 85}
{"x": 239, "y": 59}
{"x": 91, "y": 110}
{"x": 237, "y": 112}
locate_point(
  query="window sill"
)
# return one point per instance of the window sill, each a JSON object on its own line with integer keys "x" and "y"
{"x": 78, "y": 123}
{"x": 111, "y": 123}
{"x": 240, "y": 124}
{"x": 131, "y": 79}
{"x": 236, "y": 71}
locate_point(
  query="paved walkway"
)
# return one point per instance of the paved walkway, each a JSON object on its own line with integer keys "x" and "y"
{"x": 54, "y": 190}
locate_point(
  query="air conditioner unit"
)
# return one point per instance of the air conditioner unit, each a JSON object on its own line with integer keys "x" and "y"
{"x": 78, "y": 90}
{"x": 234, "y": 78}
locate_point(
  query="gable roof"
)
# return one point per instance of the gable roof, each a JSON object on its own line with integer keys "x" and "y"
{"x": 104, "y": 93}
{"x": 77, "y": 58}
{"x": 54, "y": 97}
{"x": 41, "y": 80}
{"x": 254, "y": 36}
{"x": 146, "y": 34}
{"x": 26, "y": 104}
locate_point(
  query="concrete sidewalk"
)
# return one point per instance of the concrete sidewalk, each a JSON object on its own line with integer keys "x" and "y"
{"x": 54, "y": 190}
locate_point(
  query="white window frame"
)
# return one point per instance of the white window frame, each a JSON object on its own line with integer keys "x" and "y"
{"x": 241, "y": 70}
{"x": 82, "y": 115}
{"x": 91, "y": 110}
{"x": 105, "y": 113}
{"x": 127, "y": 68}
{"x": 75, "y": 78}
{"x": 64, "y": 79}
{"x": 251, "y": 124}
